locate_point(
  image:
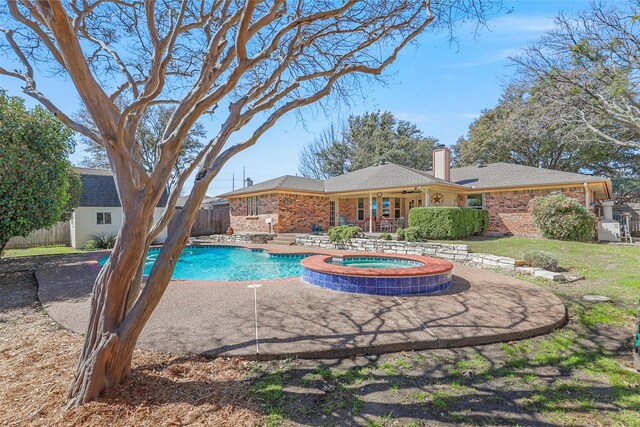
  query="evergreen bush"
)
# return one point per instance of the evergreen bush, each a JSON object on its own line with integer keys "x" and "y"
{"x": 563, "y": 218}
{"x": 344, "y": 233}
{"x": 541, "y": 259}
{"x": 448, "y": 223}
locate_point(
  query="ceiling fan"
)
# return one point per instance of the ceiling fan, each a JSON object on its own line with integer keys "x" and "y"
{"x": 411, "y": 191}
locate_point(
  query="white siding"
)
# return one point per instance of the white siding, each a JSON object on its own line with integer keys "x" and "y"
{"x": 84, "y": 224}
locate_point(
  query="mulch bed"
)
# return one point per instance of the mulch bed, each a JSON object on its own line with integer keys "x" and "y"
{"x": 38, "y": 359}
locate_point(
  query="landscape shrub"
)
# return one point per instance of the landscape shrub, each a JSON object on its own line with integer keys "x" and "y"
{"x": 90, "y": 245}
{"x": 448, "y": 223}
{"x": 344, "y": 233}
{"x": 541, "y": 259}
{"x": 563, "y": 218}
{"x": 105, "y": 241}
{"x": 400, "y": 233}
{"x": 386, "y": 236}
{"x": 413, "y": 234}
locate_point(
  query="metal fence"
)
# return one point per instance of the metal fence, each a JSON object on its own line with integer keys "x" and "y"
{"x": 209, "y": 221}
{"x": 634, "y": 219}
{"x": 58, "y": 234}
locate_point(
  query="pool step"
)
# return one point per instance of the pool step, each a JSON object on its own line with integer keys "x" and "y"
{"x": 284, "y": 239}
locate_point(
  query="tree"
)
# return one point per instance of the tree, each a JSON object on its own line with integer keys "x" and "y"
{"x": 37, "y": 185}
{"x": 525, "y": 128}
{"x": 364, "y": 141}
{"x": 597, "y": 55}
{"x": 245, "y": 63}
{"x": 326, "y": 156}
{"x": 149, "y": 135}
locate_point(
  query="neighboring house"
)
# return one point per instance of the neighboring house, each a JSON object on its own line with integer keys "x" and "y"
{"x": 100, "y": 211}
{"x": 207, "y": 202}
{"x": 291, "y": 204}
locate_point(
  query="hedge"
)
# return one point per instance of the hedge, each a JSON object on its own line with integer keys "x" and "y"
{"x": 448, "y": 223}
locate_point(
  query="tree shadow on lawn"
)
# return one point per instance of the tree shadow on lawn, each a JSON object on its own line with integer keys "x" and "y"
{"x": 440, "y": 387}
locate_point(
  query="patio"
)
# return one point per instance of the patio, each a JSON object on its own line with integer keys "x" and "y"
{"x": 287, "y": 317}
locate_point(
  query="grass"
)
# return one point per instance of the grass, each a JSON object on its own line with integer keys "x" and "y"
{"x": 612, "y": 269}
{"x": 41, "y": 250}
{"x": 268, "y": 391}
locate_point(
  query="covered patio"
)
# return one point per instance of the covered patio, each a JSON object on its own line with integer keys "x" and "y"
{"x": 385, "y": 210}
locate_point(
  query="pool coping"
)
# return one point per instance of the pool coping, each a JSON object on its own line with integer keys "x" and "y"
{"x": 430, "y": 266}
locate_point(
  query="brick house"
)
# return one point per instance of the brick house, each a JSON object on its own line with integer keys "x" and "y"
{"x": 386, "y": 192}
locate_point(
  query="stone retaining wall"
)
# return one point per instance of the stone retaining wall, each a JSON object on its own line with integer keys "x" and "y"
{"x": 238, "y": 238}
{"x": 455, "y": 252}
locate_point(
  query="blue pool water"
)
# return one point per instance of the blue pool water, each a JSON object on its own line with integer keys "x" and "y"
{"x": 228, "y": 263}
{"x": 373, "y": 262}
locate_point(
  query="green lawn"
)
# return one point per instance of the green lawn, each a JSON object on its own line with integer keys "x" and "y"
{"x": 611, "y": 270}
{"x": 41, "y": 250}
{"x": 577, "y": 375}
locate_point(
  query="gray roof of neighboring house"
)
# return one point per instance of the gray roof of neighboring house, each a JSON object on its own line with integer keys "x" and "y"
{"x": 99, "y": 189}
{"x": 390, "y": 175}
{"x": 498, "y": 175}
{"x": 207, "y": 201}
{"x": 286, "y": 182}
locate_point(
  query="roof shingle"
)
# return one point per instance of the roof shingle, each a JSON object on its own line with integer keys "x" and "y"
{"x": 390, "y": 175}
{"x": 99, "y": 189}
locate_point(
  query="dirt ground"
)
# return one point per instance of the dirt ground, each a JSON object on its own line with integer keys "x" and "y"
{"x": 574, "y": 376}
{"x": 37, "y": 362}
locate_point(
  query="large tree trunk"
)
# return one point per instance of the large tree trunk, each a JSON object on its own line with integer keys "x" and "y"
{"x": 102, "y": 360}
{"x": 116, "y": 321}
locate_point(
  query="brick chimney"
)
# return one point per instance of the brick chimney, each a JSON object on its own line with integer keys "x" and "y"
{"x": 442, "y": 162}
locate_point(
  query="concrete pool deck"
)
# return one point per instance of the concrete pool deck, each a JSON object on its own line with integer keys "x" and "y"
{"x": 287, "y": 317}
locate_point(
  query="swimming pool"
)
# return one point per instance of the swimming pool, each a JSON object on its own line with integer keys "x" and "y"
{"x": 228, "y": 263}
{"x": 374, "y": 262}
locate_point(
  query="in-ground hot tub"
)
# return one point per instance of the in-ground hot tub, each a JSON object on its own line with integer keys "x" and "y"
{"x": 378, "y": 274}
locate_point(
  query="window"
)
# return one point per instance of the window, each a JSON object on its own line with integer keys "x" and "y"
{"x": 474, "y": 201}
{"x": 252, "y": 206}
{"x": 386, "y": 207}
{"x": 396, "y": 208}
{"x": 374, "y": 208}
{"x": 360, "y": 209}
{"x": 103, "y": 218}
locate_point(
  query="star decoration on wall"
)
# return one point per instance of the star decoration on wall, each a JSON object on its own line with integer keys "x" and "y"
{"x": 437, "y": 198}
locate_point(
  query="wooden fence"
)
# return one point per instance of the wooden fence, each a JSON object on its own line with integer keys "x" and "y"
{"x": 634, "y": 219}
{"x": 59, "y": 234}
{"x": 209, "y": 221}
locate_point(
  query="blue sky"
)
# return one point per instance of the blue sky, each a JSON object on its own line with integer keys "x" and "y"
{"x": 441, "y": 87}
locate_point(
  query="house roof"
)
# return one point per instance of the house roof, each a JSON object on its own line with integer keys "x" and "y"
{"x": 500, "y": 175}
{"x": 207, "y": 201}
{"x": 99, "y": 189}
{"x": 286, "y": 182}
{"x": 390, "y": 175}
{"x": 387, "y": 175}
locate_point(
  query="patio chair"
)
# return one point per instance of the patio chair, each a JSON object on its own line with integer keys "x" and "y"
{"x": 387, "y": 226}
